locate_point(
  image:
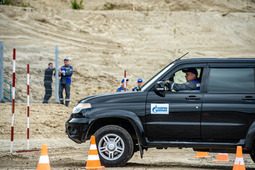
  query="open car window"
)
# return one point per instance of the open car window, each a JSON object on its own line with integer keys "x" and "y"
{"x": 179, "y": 78}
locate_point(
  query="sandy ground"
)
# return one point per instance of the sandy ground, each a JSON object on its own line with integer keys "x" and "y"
{"x": 140, "y": 36}
{"x": 47, "y": 127}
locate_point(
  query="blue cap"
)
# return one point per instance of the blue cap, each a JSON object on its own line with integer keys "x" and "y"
{"x": 66, "y": 59}
{"x": 192, "y": 70}
{"x": 139, "y": 80}
{"x": 122, "y": 81}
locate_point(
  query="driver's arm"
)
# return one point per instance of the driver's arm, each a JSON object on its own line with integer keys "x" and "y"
{"x": 184, "y": 86}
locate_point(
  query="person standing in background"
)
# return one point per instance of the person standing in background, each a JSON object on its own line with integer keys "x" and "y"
{"x": 47, "y": 82}
{"x": 65, "y": 72}
{"x": 122, "y": 87}
{"x": 139, "y": 85}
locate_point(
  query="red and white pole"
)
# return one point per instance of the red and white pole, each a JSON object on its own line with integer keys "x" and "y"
{"x": 13, "y": 98}
{"x": 125, "y": 81}
{"x": 28, "y": 107}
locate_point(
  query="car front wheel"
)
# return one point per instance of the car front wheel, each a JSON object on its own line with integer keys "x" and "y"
{"x": 115, "y": 145}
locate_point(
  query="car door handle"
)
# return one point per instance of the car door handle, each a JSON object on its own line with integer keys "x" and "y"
{"x": 193, "y": 98}
{"x": 248, "y": 98}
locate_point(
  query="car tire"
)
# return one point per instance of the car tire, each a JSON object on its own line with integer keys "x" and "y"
{"x": 252, "y": 153}
{"x": 115, "y": 145}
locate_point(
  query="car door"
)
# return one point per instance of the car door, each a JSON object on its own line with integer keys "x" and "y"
{"x": 229, "y": 104}
{"x": 175, "y": 117}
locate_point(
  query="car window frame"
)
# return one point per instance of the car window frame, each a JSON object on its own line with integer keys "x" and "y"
{"x": 182, "y": 66}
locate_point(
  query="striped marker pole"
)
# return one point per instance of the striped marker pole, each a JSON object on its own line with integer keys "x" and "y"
{"x": 13, "y": 98}
{"x": 28, "y": 107}
{"x": 125, "y": 81}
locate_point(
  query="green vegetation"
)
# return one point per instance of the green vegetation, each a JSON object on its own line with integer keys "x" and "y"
{"x": 19, "y": 3}
{"x": 109, "y": 6}
{"x": 77, "y": 5}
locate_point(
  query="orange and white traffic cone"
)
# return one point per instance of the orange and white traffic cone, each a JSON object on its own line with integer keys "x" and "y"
{"x": 93, "y": 161}
{"x": 222, "y": 157}
{"x": 44, "y": 161}
{"x": 239, "y": 163}
{"x": 201, "y": 155}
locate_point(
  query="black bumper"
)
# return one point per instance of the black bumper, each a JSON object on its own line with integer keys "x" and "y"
{"x": 76, "y": 129}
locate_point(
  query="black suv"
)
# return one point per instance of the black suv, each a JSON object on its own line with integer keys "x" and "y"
{"x": 216, "y": 118}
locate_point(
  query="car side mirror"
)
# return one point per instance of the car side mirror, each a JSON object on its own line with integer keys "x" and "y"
{"x": 159, "y": 88}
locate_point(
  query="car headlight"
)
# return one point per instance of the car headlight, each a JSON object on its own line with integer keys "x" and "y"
{"x": 81, "y": 106}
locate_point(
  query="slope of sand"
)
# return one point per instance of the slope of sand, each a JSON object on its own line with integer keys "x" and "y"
{"x": 101, "y": 44}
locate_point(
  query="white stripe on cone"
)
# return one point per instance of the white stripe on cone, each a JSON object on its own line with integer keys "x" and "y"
{"x": 93, "y": 157}
{"x": 93, "y": 147}
{"x": 222, "y": 154}
{"x": 44, "y": 159}
{"x": 239, "y": 161}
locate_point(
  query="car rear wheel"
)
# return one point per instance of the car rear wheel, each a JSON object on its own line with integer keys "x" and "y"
{"x": 252, "y": 153}
{"x": 115, "y": 145}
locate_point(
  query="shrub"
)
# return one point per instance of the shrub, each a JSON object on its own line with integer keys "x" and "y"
{"x": 77, "y": 5}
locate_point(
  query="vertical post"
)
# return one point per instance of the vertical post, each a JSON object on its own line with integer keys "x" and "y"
{"x": 125, "y": 81}
{"x": 56, "y": 74}
{"x": 1, "y": 71}
{"x": 28, "y": 107}
{"x": 13, "y": 98}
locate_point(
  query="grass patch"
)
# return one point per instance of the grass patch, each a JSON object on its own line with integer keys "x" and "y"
{"x": 19, "y": 3}
{"x": 109, "y": 6}
{"x": 77, "y": 5}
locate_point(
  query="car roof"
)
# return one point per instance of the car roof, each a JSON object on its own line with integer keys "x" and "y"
{"x": 216, "y": 60}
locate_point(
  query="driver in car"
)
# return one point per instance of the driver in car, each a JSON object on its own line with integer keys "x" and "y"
{"x": 192, "y": 82}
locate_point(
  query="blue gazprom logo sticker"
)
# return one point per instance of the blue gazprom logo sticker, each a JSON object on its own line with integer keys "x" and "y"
{"x": 159, "y": 108}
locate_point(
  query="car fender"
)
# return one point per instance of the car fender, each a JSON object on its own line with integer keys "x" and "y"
{"x": 122, "y": 114}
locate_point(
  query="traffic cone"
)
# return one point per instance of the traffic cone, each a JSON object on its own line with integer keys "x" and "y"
{"x": 44, "y": 161}
{"x": 222, "y": 157}
{"x": 201, "y": 155}
{"x": 93, "y": 161}
{"x": 239, "y": 163}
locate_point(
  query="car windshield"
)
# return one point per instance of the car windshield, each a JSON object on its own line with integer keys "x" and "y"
{"x": 155, "y": 77}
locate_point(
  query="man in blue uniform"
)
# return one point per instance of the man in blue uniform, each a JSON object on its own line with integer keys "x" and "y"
{"x": 139, "y": 85}
{"x": 65, "y": 72}
{"x": 192, "y": 82}
{"x": 122, "y": 87}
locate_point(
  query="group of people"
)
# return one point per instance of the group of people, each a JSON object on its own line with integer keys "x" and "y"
{"x": 65, "y": 73}
{"x": 122, "y": 88}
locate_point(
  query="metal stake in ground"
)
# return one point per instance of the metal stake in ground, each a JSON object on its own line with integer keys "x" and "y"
{"x": 13, "y": 98}
{"x": 125, "y": 81}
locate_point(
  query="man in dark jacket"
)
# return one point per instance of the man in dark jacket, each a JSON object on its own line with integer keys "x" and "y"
{"x": 192, "y": 82}
{"x": 47, "y": 82}
{"x": 139, "y": 85}
{"x": 65, "y": 72}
